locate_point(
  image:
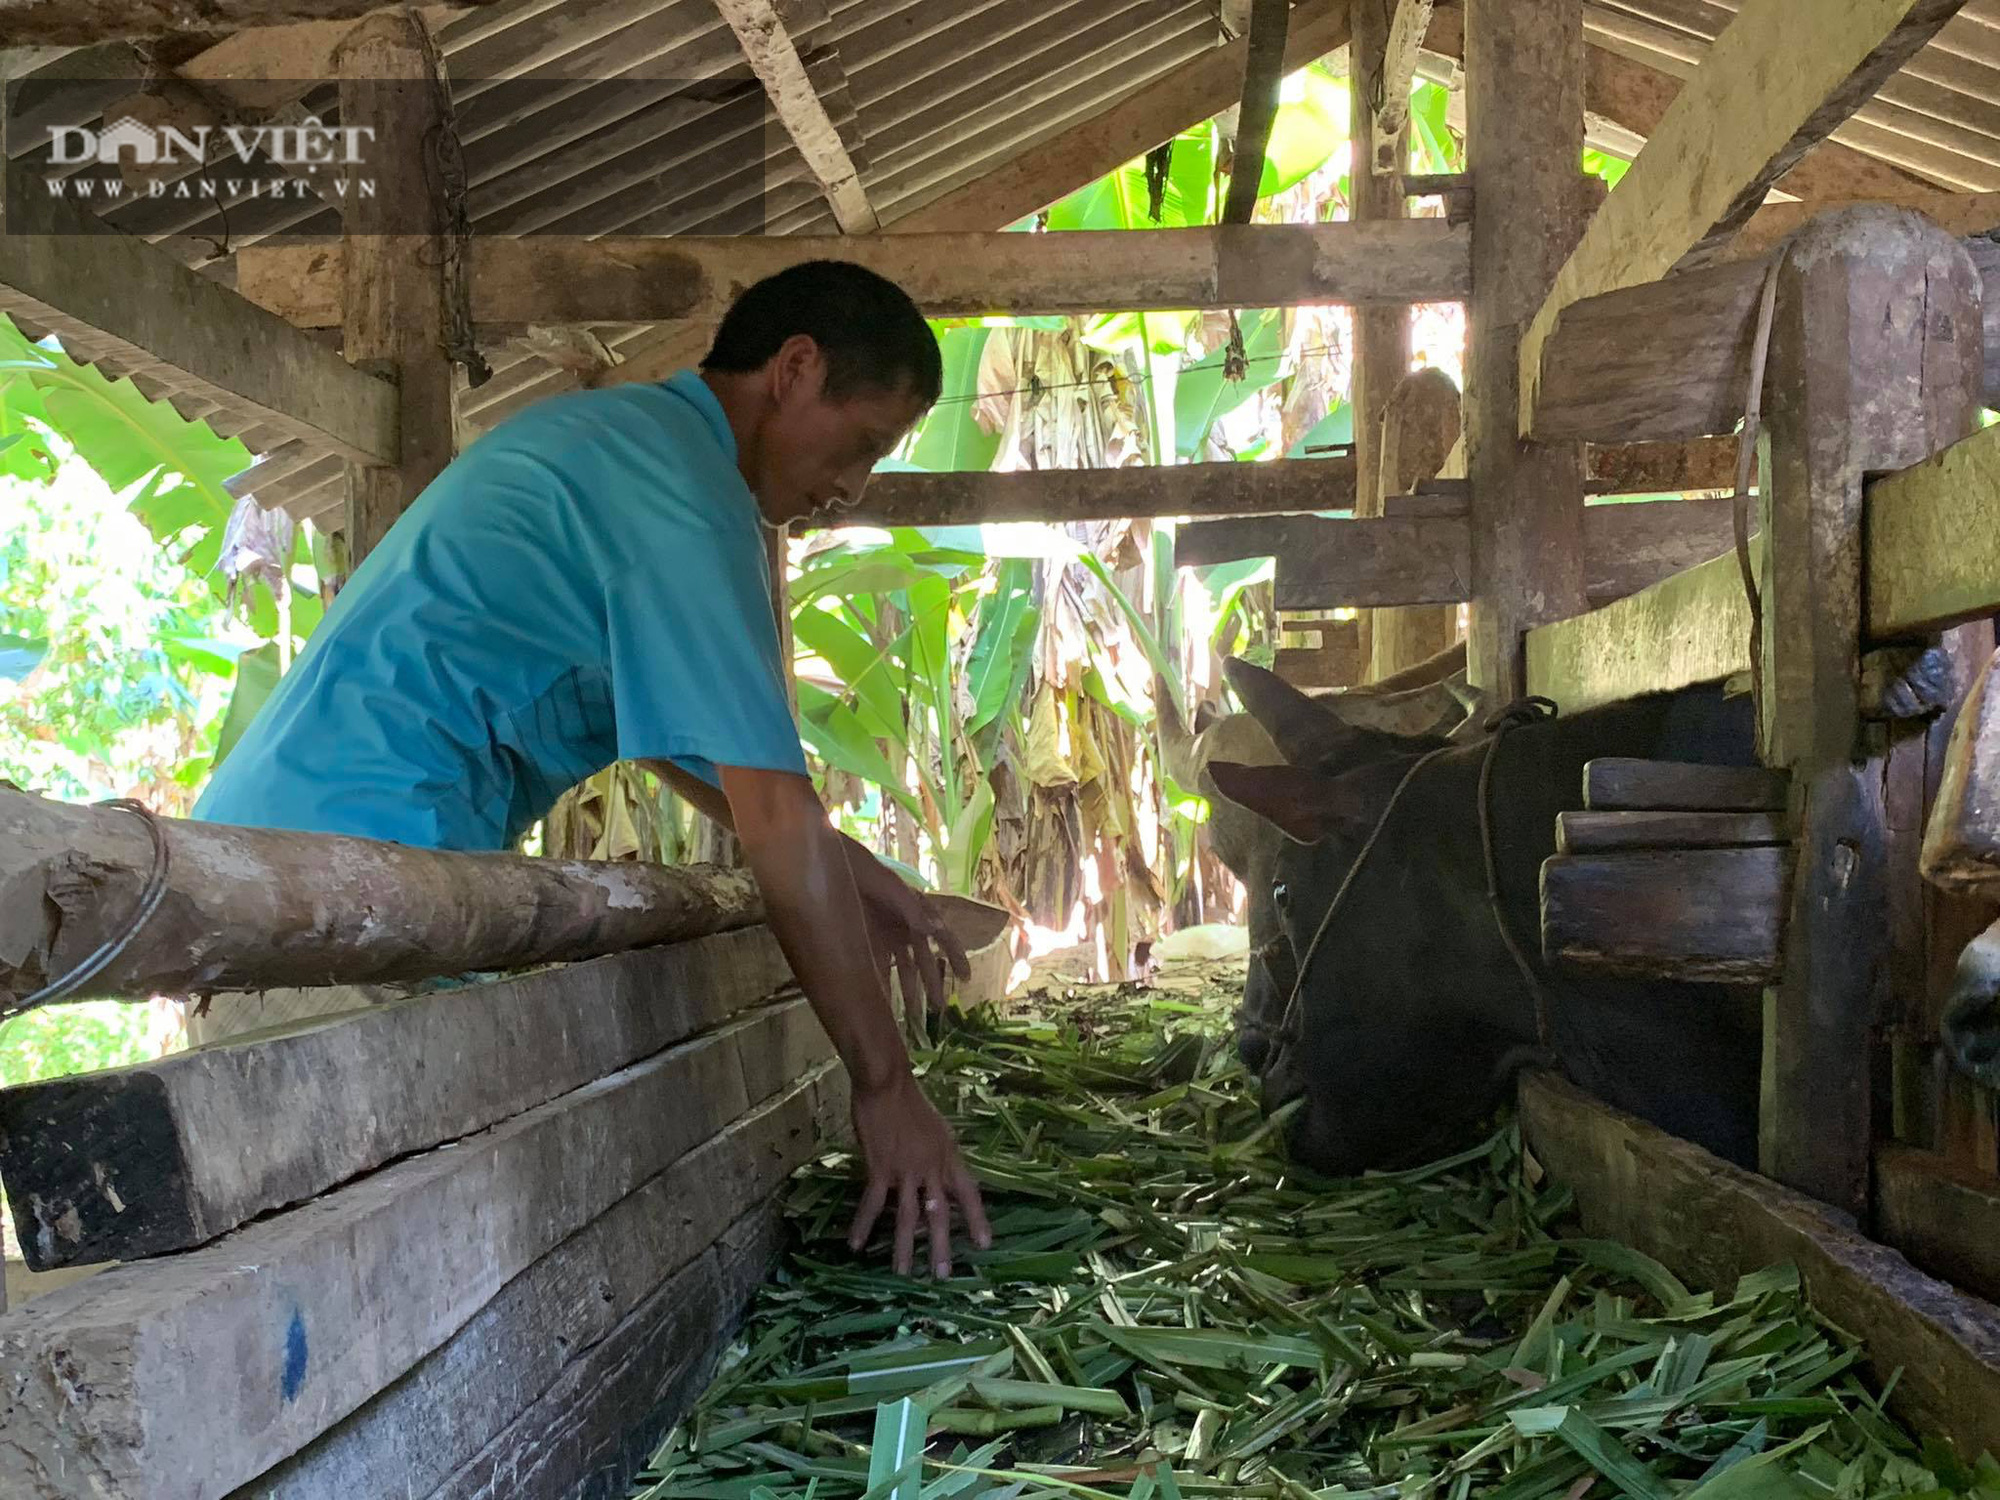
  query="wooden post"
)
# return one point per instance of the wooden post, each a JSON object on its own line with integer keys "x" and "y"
{"x": 1381, "y": 334}
{"x": 393, "y": 290}
{"x": 1420, "y": 427}
{"x": 1875, "y": 364}
{"x": 1524, "y": 146}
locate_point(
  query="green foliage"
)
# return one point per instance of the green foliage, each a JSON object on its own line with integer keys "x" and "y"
{"x": 1610, "y": 168}
{"x": 1433, "y": 146}
{"x": 59, "y": 1040}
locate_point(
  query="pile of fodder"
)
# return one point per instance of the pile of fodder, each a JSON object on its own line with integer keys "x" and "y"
{"x": 1171, "y": 1309}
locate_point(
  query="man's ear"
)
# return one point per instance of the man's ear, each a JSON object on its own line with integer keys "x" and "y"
{"x": 1299, "y": 802}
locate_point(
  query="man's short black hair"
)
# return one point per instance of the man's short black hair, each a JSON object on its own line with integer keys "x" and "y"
{"x": 871, "y": 333}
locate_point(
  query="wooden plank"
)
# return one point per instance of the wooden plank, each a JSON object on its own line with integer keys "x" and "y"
{"x": 967, "y": 498}
{"x": 1876, "y": 363}
{"x": 1334, "y": 663}
{"x": 64, "y": 23}
{"x": 259, "y": 908}
{"x": 1263, "y": 72}
{"x": 1933, "y": 541}
{"x": 1124, "y": 128}
{"x": 1691, "y": 628}
{"x": 1622, "y": 784}
{"x": 1420, "y": 426}
{"x": 1753, "y": 110}
{"x": 1711, "y": 1222}
{"x": 541, "y": 279}
{"x": 571, "y": 1314}
{"x": 316, "y": 1310}
{"x": 1944, "y": 1217}
{"x": 1707, "y": 464}
{"x": 1962, "y": 214}
{"x": 1524, "y": 139}
{"x": 1961, "y": 848}
{"x": 1671, "y": 359}
{"x": 1692, "y": 915}
{"x": 162, "y": 1156}
{"x": 1628, "y": 548}
{"x": 65, "y": 274}
{"x": 1615, "y": 832}
{"x": 393, "y": 301}
{"x": 774, "y": 58}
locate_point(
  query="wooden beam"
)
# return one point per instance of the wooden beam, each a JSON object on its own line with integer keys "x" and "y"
{"x": 1263, "y": 73}
{"x": 1705, "y": 464}
{"x": 254, "y": 908}
{"x": 1934, "y": 541}
{"x": 1420, "y": 426}
{"x": 1876, "y": 363}
{"x": 1334, "y": 663}
{"x": 1753, "y": 109}
{"x": 1331, "y": 563}
{"x": 347, "y": 1295}
{"x": 1961, "y": 214}
{"x": 1945, "y": 1217}
{"x": 625, "y": 1300}
{"x": 1398, "y": 70}
{"x": 1079, "y": 154}
{"x": 195, "y": 1144}
{"x": 1670, "y": 359}
{"x": 98, "y": 289}
{"x": 1627, "y": 785}
{"x": 1524, "y": 143}
{"x": 1711, "y": 1223}
{"x": 774, "y": 58}
{"x": 65, "y": 23}
{"x": 1691, "y": 628}
{"x": 1219, "y": 489}
{"x": 393, "y": 297}
{"x": 518, "y": 282}
{"x": 1695, "y": 916}
{"x": 1620, "y": 832}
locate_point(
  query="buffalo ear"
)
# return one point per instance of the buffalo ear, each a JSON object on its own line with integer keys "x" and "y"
{"x": 1305, "y": 733}
{"x": 1297, "y": 801}
{"x": 1204, "y": 715}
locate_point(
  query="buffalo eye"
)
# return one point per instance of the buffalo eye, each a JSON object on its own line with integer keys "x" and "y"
{"x": 1281, "y": 897}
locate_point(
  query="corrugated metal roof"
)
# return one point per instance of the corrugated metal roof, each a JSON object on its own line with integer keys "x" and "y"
{"x": 640, "y": 116}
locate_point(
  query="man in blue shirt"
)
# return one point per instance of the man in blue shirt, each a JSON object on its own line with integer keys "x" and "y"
{"x": 589, "y": 582}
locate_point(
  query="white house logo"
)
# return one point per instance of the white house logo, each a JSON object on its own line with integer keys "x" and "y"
{"x": 260, "y": 160}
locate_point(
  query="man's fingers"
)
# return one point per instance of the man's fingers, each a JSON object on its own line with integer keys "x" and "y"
{"x": 872, "y": 1198}
{"x": 933, "y": 975}
{"x": 965, "y": 1188}
{"x": 906, "y": 1225}
{"x": 948, "y": 943}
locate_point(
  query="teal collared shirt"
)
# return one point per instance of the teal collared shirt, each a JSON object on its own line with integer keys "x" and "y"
{"x": 587, "y": 583}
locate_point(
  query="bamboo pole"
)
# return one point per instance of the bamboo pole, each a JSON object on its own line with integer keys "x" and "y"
{"x": 248, "y": 908}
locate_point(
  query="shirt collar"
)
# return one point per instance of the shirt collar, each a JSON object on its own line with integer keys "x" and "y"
{"x": 690, "y": 387}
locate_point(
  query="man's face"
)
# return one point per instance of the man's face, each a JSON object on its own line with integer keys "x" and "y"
{"x": 818, "y": 451}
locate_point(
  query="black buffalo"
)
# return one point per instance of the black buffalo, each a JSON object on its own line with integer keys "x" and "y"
{"x": 1413, "y": 1017}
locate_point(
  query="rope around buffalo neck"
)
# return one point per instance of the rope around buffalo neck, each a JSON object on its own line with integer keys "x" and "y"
{"x": 1515, "y": 715}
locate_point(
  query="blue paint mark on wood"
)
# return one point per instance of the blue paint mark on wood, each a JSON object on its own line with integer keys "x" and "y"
{"x": 295, "y": 1358}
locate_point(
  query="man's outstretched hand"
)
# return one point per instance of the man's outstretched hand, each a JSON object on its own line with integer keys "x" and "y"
{"x": 908, "y": 936}
{"x": 911, "y": 1155}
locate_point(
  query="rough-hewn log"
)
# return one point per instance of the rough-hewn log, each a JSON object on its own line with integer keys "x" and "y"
{"x": 1405, "y": 35}
{"x": 66, "y": 23}
{"x": 1933, "y": 540}
{"x": 1711, "y": 1222}
{"x": 1751, "y": 112}
{"x": 1263, "y": 72}
{"x": 393, "y": 299}
{"x": 166, "y": 1155}
{"x": 1524, "y": 139}
{"x": 313, "y": 1312}
{"x": 548, "y": 280}
{"x": 1420, "y": 427}
{"x": 1876, "y": 363}
{"x": 1961, "y": 850}
{"x": 1691, "y": 628}
{"x": 112, "y": 292}
{"x": 627, "y": 1296}
{"x": 249, "y": 908}
{"x": 1622, "y": 784}
{"x": 1944, "y": 1217}
{"x": 1694, "y": 915}
{"x": 774, "y": 58}
{"x": 962, "y": 499}
{"x": 1615, "y": 832}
